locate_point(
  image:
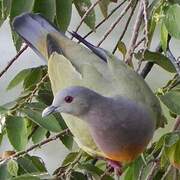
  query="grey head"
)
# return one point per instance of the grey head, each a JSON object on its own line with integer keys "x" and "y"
{"x": 74, "y": 100}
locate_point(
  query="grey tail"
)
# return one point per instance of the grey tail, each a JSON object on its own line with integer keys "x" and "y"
{"x": 34, "y": 29}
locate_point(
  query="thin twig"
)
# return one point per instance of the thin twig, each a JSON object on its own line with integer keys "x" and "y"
{"x": 21, "y": 153}
{"x": 86, "y": 14}
{"x": 173, "y": 60}
{"x": 134, "y": 36}
{"x": 146, "y": 41}
{"x": 105, "y": 19}
{"x": 123, "y": 12}
{"x": 139, "y": 42}
{"x": 145, "y": 6}
{"x": 167, "y": 172}
{"x": 126, "y": 26}
{"x": 13, "y": 60}
{"x": 154, "y": 168}
{"x": 177, "y": 124}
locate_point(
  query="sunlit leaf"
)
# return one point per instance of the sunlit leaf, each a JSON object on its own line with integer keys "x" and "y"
{"x": 122, "y": 48}
{"x": 17, "y": 132}
{"x": 164, "y": 37}
{"x": 172, "y": 20}
{"x": 63, "y": 13}
{"x": 172, "y": 101}
{"x": 26, "y": 177}
{"x": 12, "y": 167}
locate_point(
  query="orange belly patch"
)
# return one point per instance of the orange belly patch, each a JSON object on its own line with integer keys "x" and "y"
{"x": 126, "y": 155}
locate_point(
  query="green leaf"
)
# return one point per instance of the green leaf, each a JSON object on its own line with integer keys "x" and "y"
{"x": 172, "y": 101}
{"x": 133, "y": 170}
{"x": 17, "y": 132}
{"x": 45, "y": 7}
{"x": 171, "y": 139}
{"x": 31, "y": 164}
{"x": 70, "y": 158}
{"x": 20, "y": 6}
{"x": 63, "y": 13}
{"x": 39, "y": 135}
{"x": 17, "y": 8}
{"x": 164, "y": 37}
{"x": 157, "y": 58}
{"x": 122, "y": 48}
{"x": 26, "y": 177}
{"x": 5, "y": 6}
{"x": 77, "y": 176}
{"x": 104, "y": 7}
{"x": 67, "y": 140}
{"x": 91, "y": 169}
{"x": 18, "y": 78}
{"x": 50, "y": 122}
{"x": 172, "y": 20}
{"x": 82, "y": 6}
{"x": 4, "y": 174}
{"x": 3, "y": 110}
{"x": 37, "y": 161}
{"x": 12, "y": 167}
{"x": 33, "y": 77}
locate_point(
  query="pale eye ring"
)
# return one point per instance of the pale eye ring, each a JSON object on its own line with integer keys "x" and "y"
{"x": 68, "y": 99}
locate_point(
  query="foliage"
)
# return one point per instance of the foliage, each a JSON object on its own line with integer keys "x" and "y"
{"x": 21, "y": 120}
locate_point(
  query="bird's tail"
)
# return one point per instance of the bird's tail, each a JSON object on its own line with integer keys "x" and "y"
{"x": 36, "y": 31}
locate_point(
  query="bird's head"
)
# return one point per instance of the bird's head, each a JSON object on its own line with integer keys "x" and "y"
{"x": 75, "y": 100}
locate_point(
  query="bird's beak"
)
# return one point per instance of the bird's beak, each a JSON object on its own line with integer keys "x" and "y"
{"x": 49, "y": 110}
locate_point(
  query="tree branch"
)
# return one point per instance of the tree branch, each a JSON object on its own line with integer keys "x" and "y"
{"x": 125, "y": 28}
{"x": 123, "y": 12}
{"x": 21, "y": 153}
{"x": 13, "y": 60}
{"x": 86, "y": 14}
{"x": 104, "y": 20}
{"x": 134, "y": 35}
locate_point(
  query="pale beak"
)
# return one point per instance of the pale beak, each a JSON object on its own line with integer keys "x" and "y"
{"x": 49, "y": 110}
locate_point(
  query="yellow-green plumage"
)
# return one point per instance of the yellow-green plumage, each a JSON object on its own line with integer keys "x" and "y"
{"x": 77, "y": 65}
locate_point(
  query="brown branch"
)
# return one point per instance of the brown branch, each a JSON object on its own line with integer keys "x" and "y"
{"x": 123, "y": 12}
{"x": 104, "y": 20}
{"x": 177, "y": 124}
{"x": 125, "y": 28}
{"x": 134, "y": 36}
{"x": 13, "y": 60}
{"x": 86, "y": 14}
{"x": 21, "y": 153}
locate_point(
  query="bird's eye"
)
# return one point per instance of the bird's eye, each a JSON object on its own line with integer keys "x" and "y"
{"x": 68, "y": 99}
